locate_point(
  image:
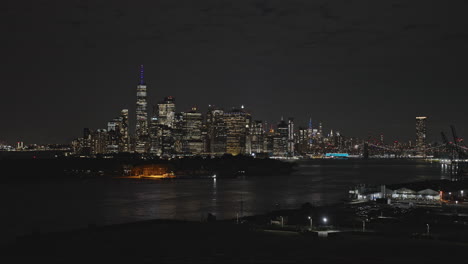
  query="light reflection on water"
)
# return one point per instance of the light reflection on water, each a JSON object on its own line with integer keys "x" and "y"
{"x": 75, "y": 204}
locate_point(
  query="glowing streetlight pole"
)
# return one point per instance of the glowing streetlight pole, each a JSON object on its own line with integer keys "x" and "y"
{"x": 310, "y": 218}
{"x": 427, "y": 229}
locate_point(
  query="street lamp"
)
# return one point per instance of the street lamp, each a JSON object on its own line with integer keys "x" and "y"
{"x": 310, "y": 218}
{"x": 325, "y": 220}
{"x": 427, "y": 229}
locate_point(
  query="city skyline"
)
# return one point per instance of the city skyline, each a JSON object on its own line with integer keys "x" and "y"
{"x": 168, "y": 133}
{"x": 144, "y": 112}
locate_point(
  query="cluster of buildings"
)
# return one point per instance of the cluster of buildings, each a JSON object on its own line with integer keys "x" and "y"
{"x": 413, "y": 192}
{"x": 161, "y": 131}
{"x": 164, "y": 132}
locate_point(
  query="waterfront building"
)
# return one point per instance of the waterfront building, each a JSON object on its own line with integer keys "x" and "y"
{"x": 141, "y": 131}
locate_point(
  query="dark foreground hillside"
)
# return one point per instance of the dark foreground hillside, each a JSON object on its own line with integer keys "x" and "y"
{"x": 222, "y": 242}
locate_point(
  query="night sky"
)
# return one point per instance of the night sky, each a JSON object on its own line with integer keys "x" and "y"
{"x": 360, "y": 67}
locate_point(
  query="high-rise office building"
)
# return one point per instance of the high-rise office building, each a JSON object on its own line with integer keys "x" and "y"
{"x": 280, "y": 141}
{"x": 303, "y": 137}
{"x": 170, "y": 142}
{"x": 421, "y": 133}
{"x": 257, "y": 137}
{"x": 216, "y": 129}
{"x": 320, "y": 131}
{"x": 154, "y": 136}
{"x": 291, "y": 136}
{"x": 192, "y": 132}
{"x": 177, "y": 134}
{"x": 99, "y": 139}
{"x": 141, "y": 131}
{"x": 86, "y": 144}
{"x": 124, "y": 145}
{"x": 166, "y": 111}
{"x": 268, "y": 140}
{"x": 310, "y": 135}
{"x": 237, "y": 124}
{"x": 114, "y": 136}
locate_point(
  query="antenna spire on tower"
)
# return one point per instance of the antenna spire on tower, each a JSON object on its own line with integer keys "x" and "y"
{"x": 142, "y": 74}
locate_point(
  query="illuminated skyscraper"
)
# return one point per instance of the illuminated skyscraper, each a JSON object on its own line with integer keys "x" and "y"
{"x": 124, "y": 145}
{"x": 86, "y": 148}
{"x": 154, "y": 136}
{"x": 257, "y": 136}
{"x": 99, "y": 139}
{"x": 113, "y": 135}
{"x": 421, "y": 133}
{"x": 166, "y": 111}
{"x": 141, "y": 131}
{"x": 237, "y": 124}
{"x": 216, "y": 128}
{"x": 268, "y": 140}
{"x": 280, "y": 143}
{"x": 310, "y": 136}
{"x": 192, "y": 132}
{"x": 303, "y": 139}
{"x": 291, "y": 136}
{"x": 320, "y": 131}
